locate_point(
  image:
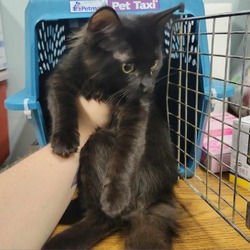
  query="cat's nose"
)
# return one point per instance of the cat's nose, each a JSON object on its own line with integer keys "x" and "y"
{"x": 146, "y": 84}
{"x": 141, "y": 85}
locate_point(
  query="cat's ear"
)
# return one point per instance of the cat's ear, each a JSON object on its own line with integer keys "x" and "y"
{"x": 103, "y": 19}
{"x": 163, "y": 17}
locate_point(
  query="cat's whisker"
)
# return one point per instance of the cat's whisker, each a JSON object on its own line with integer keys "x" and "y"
{"x": 115, "y": 95}
{"x": 93, "y": 76}
{"x": 164, "y": 77}
{"x": 123, "y": 95}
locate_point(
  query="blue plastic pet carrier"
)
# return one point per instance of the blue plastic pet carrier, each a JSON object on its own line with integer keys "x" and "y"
{"x": 49, "y": 22}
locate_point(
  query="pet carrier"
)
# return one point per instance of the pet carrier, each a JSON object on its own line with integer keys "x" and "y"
{"x": 204, "y": 122}
{"x": 47, "y": 25}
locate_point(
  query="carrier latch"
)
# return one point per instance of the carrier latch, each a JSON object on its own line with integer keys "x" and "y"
{"x": 27, "y": 111}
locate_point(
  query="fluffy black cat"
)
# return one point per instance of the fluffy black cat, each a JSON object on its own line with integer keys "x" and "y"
{"x": 127, "y": 170}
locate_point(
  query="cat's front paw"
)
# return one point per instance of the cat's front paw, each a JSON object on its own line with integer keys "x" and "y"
{"x": 64, "y": 143}
{"x": 114, "y": 199}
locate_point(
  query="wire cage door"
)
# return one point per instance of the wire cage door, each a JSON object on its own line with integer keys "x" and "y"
{"x": 209, "y": 111}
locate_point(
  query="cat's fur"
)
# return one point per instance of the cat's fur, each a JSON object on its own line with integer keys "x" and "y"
{"x": 127, "y": 170}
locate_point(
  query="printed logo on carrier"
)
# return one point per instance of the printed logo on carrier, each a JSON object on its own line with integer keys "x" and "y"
{"x": 86, "y": 6}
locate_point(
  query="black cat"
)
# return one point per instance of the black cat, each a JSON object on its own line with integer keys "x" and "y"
{"x": 127, "y": 170}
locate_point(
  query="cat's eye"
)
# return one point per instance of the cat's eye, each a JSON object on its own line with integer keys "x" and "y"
{"x": 154, "y": 66}
{"x": 128, "y": 67}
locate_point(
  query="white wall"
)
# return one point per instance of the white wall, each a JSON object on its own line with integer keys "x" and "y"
{"x": 237, "y": 4}
{"x": 20, "y": 131}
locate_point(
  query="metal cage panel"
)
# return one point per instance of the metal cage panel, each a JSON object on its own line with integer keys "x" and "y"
{"x": 207, "y": 103}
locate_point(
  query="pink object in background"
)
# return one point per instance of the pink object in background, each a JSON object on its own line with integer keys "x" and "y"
{"x": 216, "y": 142}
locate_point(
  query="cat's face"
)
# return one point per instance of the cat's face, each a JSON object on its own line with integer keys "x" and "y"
{"x": 126, "y": 52}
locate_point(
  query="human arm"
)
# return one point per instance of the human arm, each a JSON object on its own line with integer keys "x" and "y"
{"x": 35, "y": 192}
